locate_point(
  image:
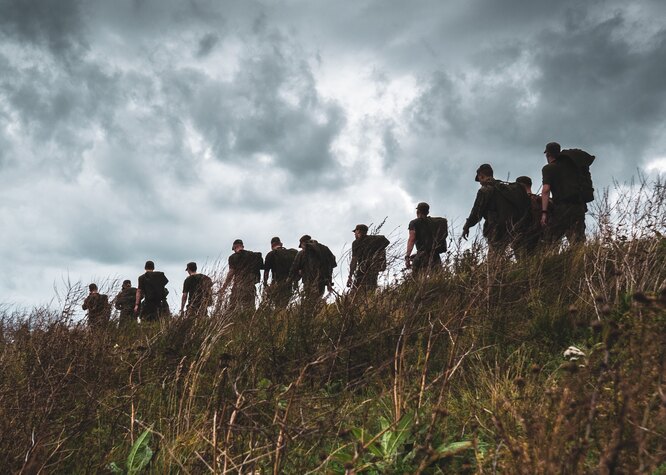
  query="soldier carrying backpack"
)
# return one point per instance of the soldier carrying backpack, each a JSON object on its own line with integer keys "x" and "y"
{"x": 278, "y": 262}
{"x": 98, "y": 307}
{"x": 245, "y": 273}
{"x": 504, "y": 207}
{"x": 314, "y": 264}
{"x": 197, "y": 292}
{"x": 429, "y": 235}
{"x": 567, "y": 178}
{"x": 152, "y": 289}
{"x": 368, "y": 259}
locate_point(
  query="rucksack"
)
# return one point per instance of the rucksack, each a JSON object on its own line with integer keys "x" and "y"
{"x": 582, "y": 161}
{"x": 284, "y": 258}
{"x": 439, "y": 227}
{"x": 376, "y": 248}
{"x": 324, "y": 257}
{"x": 156, "y": 290}
{"x": 256, "y": 263}
{"x": 519, "y": 201}
{"x": 206, "y": 289}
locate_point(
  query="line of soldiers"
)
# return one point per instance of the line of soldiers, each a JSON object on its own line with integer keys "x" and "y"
{"x": 513, "y": 217}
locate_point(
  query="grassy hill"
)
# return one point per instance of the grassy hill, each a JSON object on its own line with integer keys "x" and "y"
{"x": 460, "y": 373}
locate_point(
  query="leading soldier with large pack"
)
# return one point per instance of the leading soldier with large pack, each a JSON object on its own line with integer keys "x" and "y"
{"x": 429, "y": 235}
{"x": 567, "y": 178}
{"x": 504, "y": 207}
{"x": 368, "y": 259}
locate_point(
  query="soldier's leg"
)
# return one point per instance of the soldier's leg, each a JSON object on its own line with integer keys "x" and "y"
{"x": 575, "y": 231}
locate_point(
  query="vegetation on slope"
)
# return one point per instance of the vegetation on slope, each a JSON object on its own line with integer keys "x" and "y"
{"x": 460, "y": 373}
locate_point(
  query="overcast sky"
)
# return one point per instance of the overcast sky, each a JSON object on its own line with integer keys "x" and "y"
{"x": 157, "y": 129}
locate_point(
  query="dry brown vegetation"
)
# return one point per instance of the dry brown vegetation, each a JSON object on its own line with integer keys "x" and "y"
{"x": 459, "y": 373}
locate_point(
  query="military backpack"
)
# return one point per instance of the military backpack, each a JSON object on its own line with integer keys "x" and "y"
{"x": 581, "y": 160}
{"x": 439, "y": 227}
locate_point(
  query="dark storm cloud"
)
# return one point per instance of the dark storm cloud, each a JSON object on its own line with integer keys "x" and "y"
{"x": 271, "y": 107}
{"x": 57, "y": 26}
{"x": 583, "y": 83}
{"x": 206, "y": 44}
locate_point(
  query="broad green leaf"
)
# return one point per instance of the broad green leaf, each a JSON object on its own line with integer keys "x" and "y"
{"x": 141, "y": 453}
{"x": 398, "y": 436}
{"x": 448, "y": 450}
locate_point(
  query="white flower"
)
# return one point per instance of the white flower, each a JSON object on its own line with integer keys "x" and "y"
{"x": 573, "y": 353}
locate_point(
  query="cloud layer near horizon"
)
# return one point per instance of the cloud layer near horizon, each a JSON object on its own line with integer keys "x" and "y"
{"x": 164, "y": 130}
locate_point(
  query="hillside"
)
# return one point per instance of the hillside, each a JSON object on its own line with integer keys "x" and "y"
{"x": 460, "y": 373}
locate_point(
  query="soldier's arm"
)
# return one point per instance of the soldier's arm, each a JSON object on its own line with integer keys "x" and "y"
{"x": 85, "y": 304}
{"x": 352, "y": 269}
{"x": 137, "y": 300}
{"x": 296, "y": 266}
{"x": 410, "y": 247}
{"x": 227, "y": 281}
{"x": 545, "y": 197}
{"x": 183, "y": 301}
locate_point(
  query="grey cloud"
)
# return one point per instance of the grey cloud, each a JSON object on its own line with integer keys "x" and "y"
{"x": 206, "y": 44}
{"x": 587, "y": 86}
{"x": 59, "y": 26}
{"x": 271, "y": 107}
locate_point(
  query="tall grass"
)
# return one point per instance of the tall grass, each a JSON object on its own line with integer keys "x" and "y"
{"x": 461, "y": 372}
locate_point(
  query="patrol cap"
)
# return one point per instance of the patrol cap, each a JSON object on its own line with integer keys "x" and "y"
{"x": 361, "y": 227}
{"x": 191, "y": 266}
{"x": 552, "y": 148}
{"x": 304, "y": 238}
{"x": 423, "y": 206}
{"x": 276, "y": 240}
{"x": 486, "y": 169}
{"x": 524, "y": 180}
{"x": 127, "y": 282}
{"x": 237, "y": 242}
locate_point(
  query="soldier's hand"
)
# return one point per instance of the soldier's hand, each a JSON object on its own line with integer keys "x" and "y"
{"x": 408, "y": 262}
{"x": 136, "y": 309}
{"x": 544, "y": 219}
{"x": 465, "y": 233}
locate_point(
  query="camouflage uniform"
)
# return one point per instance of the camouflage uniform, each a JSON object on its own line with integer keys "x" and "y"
{"x": 125, "y": 304}
{"x": 567, "y": 215}
{"x": 501, "y": 225}
{"x": 278, "y": 262}
{"x": 366, "y": 263}
{"x": 243, "y": 291}
{"x": 314, "y": 264}
{"x": 99, "y": 310}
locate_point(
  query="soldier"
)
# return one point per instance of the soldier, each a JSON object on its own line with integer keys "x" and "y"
{"x": 561, "y": 179}
{"x": 314, "y": 264}
{"x": 125, "y": 303}
{"x": 198, "y": 289}
{"x": 368, "y": 259}
{"x": 503, "y": 206}
{"x": 97, "y": 305}
{"x": 278, "y": 262}
{"x": 245, "y": 272}
{"x": 152, "y": 290}
{"x": 528, "y": 241}
{"x": 421, "y": 234}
